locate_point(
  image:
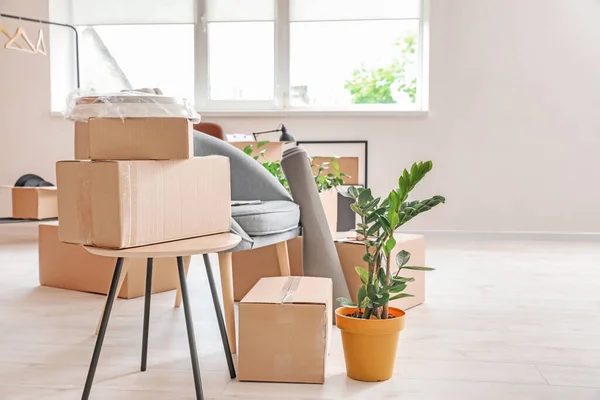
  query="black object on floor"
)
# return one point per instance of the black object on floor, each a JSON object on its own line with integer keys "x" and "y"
{"x": 10, "y": 220}
{"x": 32, "y": 180}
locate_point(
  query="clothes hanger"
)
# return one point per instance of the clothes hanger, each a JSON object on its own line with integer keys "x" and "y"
{"x": 4, "y": 31}
{"x": 11, "y": 44}
{"x": 41, "y": 46}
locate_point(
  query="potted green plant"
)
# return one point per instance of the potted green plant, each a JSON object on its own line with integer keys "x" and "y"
{"x": 371, "y": 328}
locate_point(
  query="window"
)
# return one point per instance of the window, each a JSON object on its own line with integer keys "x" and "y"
{"x": 114, "y": 57}
{"x": 256, "y": 55}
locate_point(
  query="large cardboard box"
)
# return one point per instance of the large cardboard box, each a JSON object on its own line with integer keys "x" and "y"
{"x": 351, "y": 253}
{"x": 70, "y": 266}
{"x": 285, "y": 330}
{"x": 134, "y": 139}
{"x": 120, "y": 204}
{"x": 34, "y": 202}
{"x": 251, "y": 265}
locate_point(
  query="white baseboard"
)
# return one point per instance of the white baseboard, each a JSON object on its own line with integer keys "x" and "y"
{"x": 510, "y": 235}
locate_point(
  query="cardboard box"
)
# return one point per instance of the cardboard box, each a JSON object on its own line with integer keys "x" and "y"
{"x": 329, "y": 199}
{"x": 273, "y": 151}
{"x": 119, "y": 204}
{"x": 351, "y": 253}
{"x": 285, "y": 330}
{"x": 134, "y": 139}
{"x": 251, "y": 265}
{"x": 348, "y": 166}
{"x": 70, "y": 266}
{"x": 34, "y": 202}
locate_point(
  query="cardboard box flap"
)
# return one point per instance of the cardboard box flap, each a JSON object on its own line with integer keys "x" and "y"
{"x": 290, "y": 290}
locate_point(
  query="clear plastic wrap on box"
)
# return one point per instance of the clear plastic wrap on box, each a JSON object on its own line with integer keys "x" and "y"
{"x": 82, "y": 106}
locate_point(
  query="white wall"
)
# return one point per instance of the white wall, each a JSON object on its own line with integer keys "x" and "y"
{"x": 30, "y": 140}
{"x": 513, "y": 130}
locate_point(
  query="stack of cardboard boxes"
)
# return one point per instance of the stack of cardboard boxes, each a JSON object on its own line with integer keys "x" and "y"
{"x": 133, "y": 182}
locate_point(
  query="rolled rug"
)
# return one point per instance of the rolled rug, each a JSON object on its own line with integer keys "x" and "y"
{"x": 318, "y": 250}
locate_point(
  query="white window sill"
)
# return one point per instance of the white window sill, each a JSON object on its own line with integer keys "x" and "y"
{"x": 303, "y": 113}
{"x": 313, "y": 113}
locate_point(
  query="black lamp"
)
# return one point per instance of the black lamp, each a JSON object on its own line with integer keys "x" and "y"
{"x": 285, "y": 136}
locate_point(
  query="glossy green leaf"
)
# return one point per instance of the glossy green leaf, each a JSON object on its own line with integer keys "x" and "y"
{"x": 385, "y": 224}
{"x": 362, "y": 294}
{"x": 394, "y": 201}
{"x": 402, "y": 258}
{"x": 400, "y": 279}
{"x": 353, "y": 191}
{"x": 397, "y": 288}
{"x": 346, "y": 302}
{"x": 394, "y": 218}
{"x": 373, "y": 229}
{"x": 382, "y": 276}
{"x": 362, "y": 273}
{"x": 389, "y": 245}
{"x": 356, "y": 208}
{"x": 372, "y": 292}
{"x": 364, "y": 197}
{"x": 384, "y": 298}
{"x": 420, "y": 268}
{"x": 401, "y": 295}
{"x": 262, "y": 143}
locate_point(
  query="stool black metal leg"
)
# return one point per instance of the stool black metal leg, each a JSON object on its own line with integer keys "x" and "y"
{"x": 220, "y": 320}
{"x": 105, "y": 316}
{"x": 190, "y": 329}
{"x": 146, "y": 314}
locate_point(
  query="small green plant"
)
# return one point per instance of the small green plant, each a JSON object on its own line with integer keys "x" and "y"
{"x": 274, "y": 167}
{"x": 378, "y": 222}
{"x": 323, "y": 179}
{"x": 327, "y": 180}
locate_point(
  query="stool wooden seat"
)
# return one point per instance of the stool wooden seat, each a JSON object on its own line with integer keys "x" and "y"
{"x": 180, "y": 248}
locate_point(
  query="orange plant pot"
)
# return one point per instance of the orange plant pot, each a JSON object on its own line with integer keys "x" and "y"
{"x": 369, "y": 344}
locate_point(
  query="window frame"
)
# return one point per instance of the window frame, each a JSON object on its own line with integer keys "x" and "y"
{"x": 280, "y": 105}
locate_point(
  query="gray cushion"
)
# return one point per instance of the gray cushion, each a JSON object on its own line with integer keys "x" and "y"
{"x": 267, "y": 217}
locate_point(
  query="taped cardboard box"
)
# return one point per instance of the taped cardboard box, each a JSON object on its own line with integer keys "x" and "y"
{"x": 251, "y": 265}
{"x": 34, "y": 202}
{"x": 351, "y": 253}
{"x": 120, "y": 204}
{"x": 134, "y": 139}
{"x": 285, "y": 330}
{"x": 71, "y": 267}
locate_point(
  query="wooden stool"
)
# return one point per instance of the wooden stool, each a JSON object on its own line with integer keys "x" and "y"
{"x": 179, "y": 249}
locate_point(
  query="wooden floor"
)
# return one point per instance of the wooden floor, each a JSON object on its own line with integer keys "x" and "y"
{"x": 503, "y": 320}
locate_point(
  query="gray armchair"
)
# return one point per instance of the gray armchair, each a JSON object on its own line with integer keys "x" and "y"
{"x": 273, "y": 221}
